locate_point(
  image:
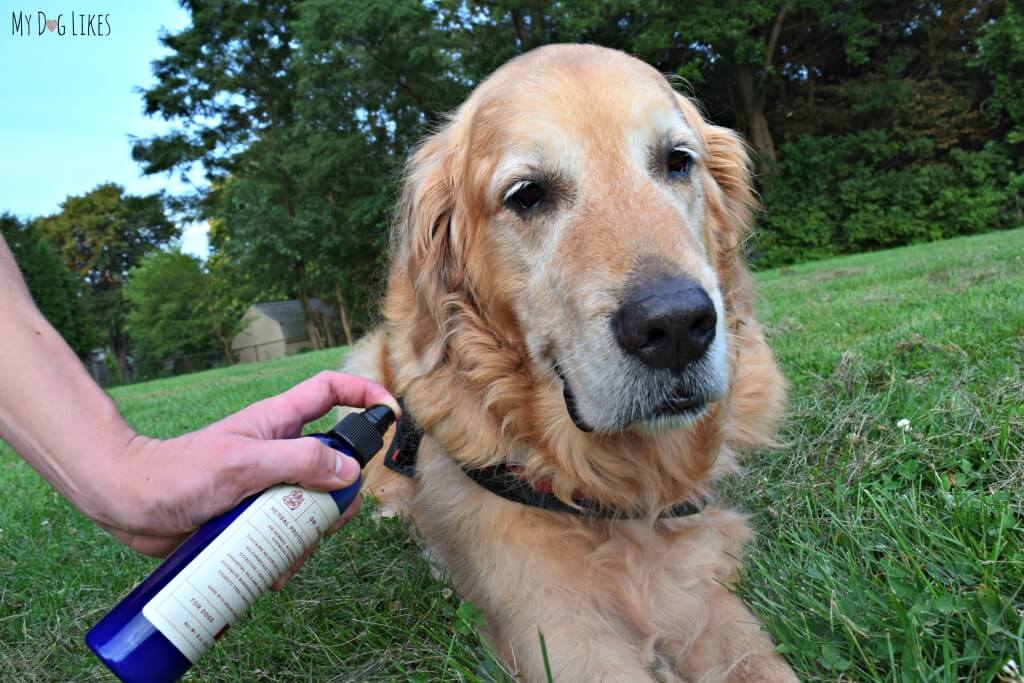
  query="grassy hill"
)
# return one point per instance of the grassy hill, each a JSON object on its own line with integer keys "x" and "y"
{"x": 885, "y": 553}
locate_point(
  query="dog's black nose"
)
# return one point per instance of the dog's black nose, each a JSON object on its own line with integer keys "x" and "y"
{"x": 666, "y": 323}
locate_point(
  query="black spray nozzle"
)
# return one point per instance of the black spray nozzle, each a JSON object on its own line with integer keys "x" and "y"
{"x": 364, "y": 432}
{"x": 380, "y": 416}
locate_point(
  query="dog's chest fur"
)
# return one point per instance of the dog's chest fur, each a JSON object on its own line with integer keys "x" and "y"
{"x": 524, "y": 566}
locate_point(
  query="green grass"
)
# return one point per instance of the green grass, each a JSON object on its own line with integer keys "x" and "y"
{"x": 882, "y": 555}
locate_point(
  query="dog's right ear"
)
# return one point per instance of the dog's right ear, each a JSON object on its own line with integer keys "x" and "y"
{"x": 430, "y": 239}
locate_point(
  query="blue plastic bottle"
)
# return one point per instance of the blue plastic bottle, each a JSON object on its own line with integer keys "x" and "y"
{"x": 162, "y": 627}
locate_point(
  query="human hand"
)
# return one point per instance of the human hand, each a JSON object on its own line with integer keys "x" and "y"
{"x": 157, "y": 492}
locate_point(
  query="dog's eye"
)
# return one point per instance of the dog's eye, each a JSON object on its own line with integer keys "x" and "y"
{"x": 524, "y": 196}
{"x": 679, "y": 162}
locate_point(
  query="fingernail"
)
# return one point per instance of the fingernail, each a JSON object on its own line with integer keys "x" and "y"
{"x": 347, "y": 469}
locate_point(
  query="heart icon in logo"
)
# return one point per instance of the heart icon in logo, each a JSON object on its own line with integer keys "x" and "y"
{"x": 51, "y": 25}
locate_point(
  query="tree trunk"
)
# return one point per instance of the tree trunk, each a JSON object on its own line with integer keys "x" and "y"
{"x": 752, "y": 115}
{"x": 344, "y": 316}
{"x": 311, "y": 330}
{"x": 119, "y": 347}
{"x": 752, "y": 99}
{"x": 327, "y": 331}
{"x": 517, "y": 22}
{"x": 225, "y": 345}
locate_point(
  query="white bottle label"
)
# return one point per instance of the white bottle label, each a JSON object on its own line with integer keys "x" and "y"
{"x": 215, "y": 589}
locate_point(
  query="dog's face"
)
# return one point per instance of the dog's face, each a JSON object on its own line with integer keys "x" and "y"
{"x": 586, "y": 198}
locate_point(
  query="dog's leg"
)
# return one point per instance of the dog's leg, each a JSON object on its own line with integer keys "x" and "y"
{"x": 699, "y": 627}
{"x": 525, "y": 569}
{"x": 732, "y": 646}
{"x": 581, "y": 645}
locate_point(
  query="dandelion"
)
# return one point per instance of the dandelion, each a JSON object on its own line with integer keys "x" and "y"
{"x": 904, "y": 424}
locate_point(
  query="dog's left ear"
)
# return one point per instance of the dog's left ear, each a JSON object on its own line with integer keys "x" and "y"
{"x": 731, "y": 200}
{"x": 728, "y": 163}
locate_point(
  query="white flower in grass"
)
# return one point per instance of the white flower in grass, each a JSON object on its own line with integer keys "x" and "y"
{"x": 904, "y": 424}
{"x": 1010, "y": 673}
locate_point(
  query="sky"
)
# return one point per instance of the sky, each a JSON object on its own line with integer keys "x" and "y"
{"x": 70, "y": 103}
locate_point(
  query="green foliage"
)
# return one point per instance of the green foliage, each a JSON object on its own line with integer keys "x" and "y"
{"x": 101, "y": 235}
{"x": 169, "y": 315}
{"x": 832, "y": 196}
{"x": 56, "y": 291}
{"x": 1001, "y": 56}
{"x": 232, "y": 48}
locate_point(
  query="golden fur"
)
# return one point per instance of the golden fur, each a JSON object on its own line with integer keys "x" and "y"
{"x": 476, "y": 307}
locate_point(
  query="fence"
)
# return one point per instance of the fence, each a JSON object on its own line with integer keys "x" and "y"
{"x": 101, "y": 366}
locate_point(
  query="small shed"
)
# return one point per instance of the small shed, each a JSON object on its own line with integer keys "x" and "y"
{"x": 275, "y": 329}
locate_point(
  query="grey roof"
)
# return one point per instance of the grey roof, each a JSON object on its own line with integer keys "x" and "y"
{"x": 288, "y": 314}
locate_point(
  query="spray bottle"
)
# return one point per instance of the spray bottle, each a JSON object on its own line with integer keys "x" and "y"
{"x": 177, "y": 613}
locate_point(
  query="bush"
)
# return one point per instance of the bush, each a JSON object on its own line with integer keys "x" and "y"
{"x": 843, "y": 194}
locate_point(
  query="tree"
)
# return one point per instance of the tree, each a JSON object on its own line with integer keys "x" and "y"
{"x": 227, "y": 79}
{"x": 1001, "y": 56}
{"x": 101, "y": 236}
{"x": 56, "y": 291}
{"x": 301, "y": 115}
{"x": 169, "y": 315}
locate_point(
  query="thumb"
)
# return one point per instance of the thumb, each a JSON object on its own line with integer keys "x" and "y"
{"x": 304, "y": 461}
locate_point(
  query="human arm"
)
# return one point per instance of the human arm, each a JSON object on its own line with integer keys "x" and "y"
{"x": 150, "y": 493}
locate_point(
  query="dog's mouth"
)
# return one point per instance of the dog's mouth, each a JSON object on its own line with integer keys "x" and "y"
{"x": 570, "y": 402}
{"x": 675, "y": 406}
{"x": 678, "y": 405}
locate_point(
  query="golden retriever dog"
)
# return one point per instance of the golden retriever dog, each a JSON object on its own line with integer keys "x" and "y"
{"x": 567, "y": 298}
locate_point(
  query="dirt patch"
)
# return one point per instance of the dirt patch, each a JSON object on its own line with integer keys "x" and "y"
{"x": 838, "y": 273}
{"x": 786, "y": 324}
{"x": 877, "y": 296}
{"x": 973, "y": 278}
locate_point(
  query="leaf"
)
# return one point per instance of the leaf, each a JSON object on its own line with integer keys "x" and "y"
{"x": 947, "y": 603}
{"x": 992, "y": 605}
{"x": 470, "y": 614}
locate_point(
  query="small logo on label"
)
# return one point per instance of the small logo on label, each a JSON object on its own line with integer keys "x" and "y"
{"x": 293, "y": 499}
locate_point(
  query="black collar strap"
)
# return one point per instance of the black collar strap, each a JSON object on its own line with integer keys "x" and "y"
{"x": 401, "y": 453}
{"x": 504, "y": 480}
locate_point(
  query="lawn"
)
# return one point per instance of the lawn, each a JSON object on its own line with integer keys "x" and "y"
{"x": 885, "y": 552}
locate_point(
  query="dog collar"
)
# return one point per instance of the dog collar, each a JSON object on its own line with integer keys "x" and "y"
{"x": 509, "y": 481}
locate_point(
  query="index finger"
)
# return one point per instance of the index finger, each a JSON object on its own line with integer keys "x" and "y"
{"x": 283, "y": 416}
